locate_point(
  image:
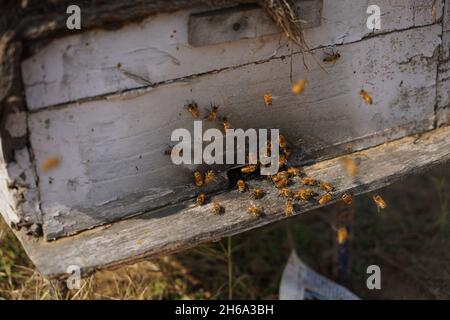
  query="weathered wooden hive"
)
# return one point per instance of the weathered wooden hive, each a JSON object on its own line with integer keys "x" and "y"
{"x": 104, "y": 100}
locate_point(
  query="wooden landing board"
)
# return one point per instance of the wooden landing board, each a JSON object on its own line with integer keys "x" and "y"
{"x": 184, "y": 225}
{"x": 157, "y": 50}
{"x": 112, "y": 150}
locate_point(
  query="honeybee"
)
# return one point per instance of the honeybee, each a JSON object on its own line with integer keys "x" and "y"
{"x": 279, "y": 176}
{"x": 212, "y": 114}
{"x": 200, "y": 199}
{"x": 258, "y": 193}
{"x": 249, "y": 168}
{"x": 307, "y": 181}
{"x": 268, "y": 150}
{"x": 198, "y": 178}
{"x": 285, "y": 192}
{"x": 333, "y": 57}
{"x": 299, "y": 86}
{"x": 282, "y": 141}
{"x": 254, "y": 210}
{"x": 288, "y": 208}
{"x": 282, "y": 160}
{"x": 327, "y": 197}
{"x": 342, "y": 235}
{"x": 241, "y": 185}
{"x": 226, "y": 123}
{"x": 326, "y": 186}
{"x": 192, "y": 108}
{"x": 347, "y": 198}
{"x": 366, "y": 96}
{"x": 350, "y": 166}
{"x": 267, "y": 99}
{"x": 209, "y": 176}
{"x": 293, "y": 171}
{"x": 283, "y": 182}
{"x": 50, "y": 163}
{"x": 381, "y": 204}
{"x": 304, "y": 194}
{"x": 287, "y": 152}
{"x": 217, "y": 208}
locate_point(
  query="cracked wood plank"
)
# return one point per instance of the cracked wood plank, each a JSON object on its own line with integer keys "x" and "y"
{"x": 156, "y": 50}
{"x": 184, "y": 225}
{"x": 112, "y": 162}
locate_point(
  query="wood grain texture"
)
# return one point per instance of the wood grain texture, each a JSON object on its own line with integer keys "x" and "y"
{"x": 185, "y": 225}
{"x": 111, "y": 150}
{"x": 157, "y": 50}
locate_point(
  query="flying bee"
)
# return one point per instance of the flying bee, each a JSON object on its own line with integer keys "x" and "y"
{"x": 258, "y": 193}
{"x": 226, "y": 123}
{"x": 288, "y": 208}
{"x": 304, "y": 194}
{"x": 198, "y": 178}
{"x": 212, "y": 114}
{"x": 381, "y": 204}
{"x": 200, "y": 199}
{"x": 366, "y": 96}
{"x": 50, "y": 163}
{"x": 307, "y": 181}
{"x": 285, "y": 192}
{"x": 350, "y": 166}
{"x": 347, "y": 198}
{"x": 342, "y": 235}
{"x": 327, "y": 197}
{"x": 293, "y": 171}
{"x": 254, "y": 210}
{"x": 217, "y": 208}
{"x": 299, "y": 86}
{"x": 249, "y": 168}
{"x": 267, "y": 99}
{"x": 328, "y": 187}
{"x": 192, "y": 108}
{"x": 282, "y": 141}
{"x": 209, "y": 176}
{"x": 241, "y": 185}
{"x": 333, "y": 57}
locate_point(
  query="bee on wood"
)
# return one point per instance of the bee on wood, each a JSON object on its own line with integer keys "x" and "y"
{"x": 304, "y": 194}
{"x": 288, "y": 208}
{"x": 249, "y": 168}
{"x": 226, "y": 123}
{"x": 287, "y": 152}
{"x": 212, "y": 114}
{"x": 327, "y": 197}
{"x": 267, "y": 99}
{"x": 281, "y": 183}
{"x": 50, "y": 163}
{"x": 210, "y": 176}
{"x": 200, "y": 199}
{"x": 366, "y": 96}
{"x": 285, "y": 192}
{"x": 282, "y": 160}
{"x": 241, "y": 185}
{"x": 326, "y": 186}
{"x": 299, "y": 86}
{"x": 307, "y": 181}
{"x": 192, "y": 108}
{"x": 333, "y": 57}
{"x": 381, "y": 204}
{"x": 350, "y": 166}
{"x": 198, "y": 178}
{"x": 293, "y": 171}
{"x": 347, "y": 198}
{"x": 217, "y": 208}
{"x": 280, "y": 176}
{"x": 268, "y": 150}
{"x": 258, "y": 193}
{"x": 342, "y": 235}
{"x": 254, "y": 210}
{"x": 282, "y": 141}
